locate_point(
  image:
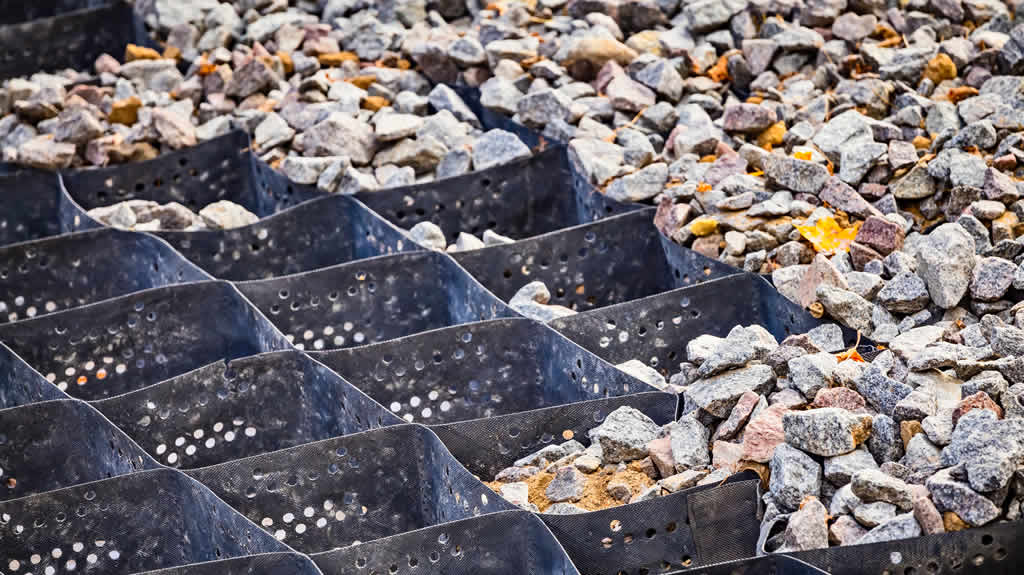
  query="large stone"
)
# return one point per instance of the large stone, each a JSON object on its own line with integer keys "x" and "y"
{"x": 840, "y": 469}
{"x": 906, "y": 293}
{"x": 569, "y": 484}
{"x": 847, "y": 307}
{"x": 175, "y": 129}
{"x": 842, "y": 131}
{"x": 807, "y": 528}
{"x": 689, "y": 441}
{"x": 881, "y": 392}
{"x": 826, "y": 432}
{"x": 945, "y": 259}
{"x": 875, "y": 485}
{"x": 992, "y": 278}
{"x": 958, "y": 497}
{"x": 639, "y": 186}
{"x": 341, "y": 135}
{"x": 764, "y": 433}
{"x": 624, "y": 435}
{"x": 794, "y": 476}
{"x": 498, "y": 147}
{"x": 901, "y": 527}
{"x": 539, "y": 108}
{"x": 793, "y": 174}
{"x": 718, "y": 394}
{"x": 989, "y": 448}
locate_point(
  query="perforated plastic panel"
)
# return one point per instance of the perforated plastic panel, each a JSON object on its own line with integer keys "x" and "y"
{"x": 69, "y": 40}
{"x": 53, "y": 274}
{"x": 126, "y": 343}
{"x": 103, "y": 527}
{"x": 88, "y": 447}
{"x": 373, "y": 300}
{"x": 33, "y": 206}
{"x": 611, "y": 261}
{"x": 315, "y": 234}
{"x": 243, "y": 407}
{"x": 265, "y": 564}
{"x": 20, "y": 384}
{"x": 495, "y": 544}
{"x": 478, "y": 370}
{"x": 361, "y": 487}
{"x": 16, "y": 11}
{"x": 773, "y": 564}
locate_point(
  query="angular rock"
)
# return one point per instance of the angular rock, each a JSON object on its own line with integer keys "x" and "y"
{"x": 624, "y": 435}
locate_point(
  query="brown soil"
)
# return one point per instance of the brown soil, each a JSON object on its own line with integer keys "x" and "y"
{"x": 595, "y": 495}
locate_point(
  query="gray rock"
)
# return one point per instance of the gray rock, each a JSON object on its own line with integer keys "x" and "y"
{"x": 564, "y": 509}
{"x": 272, "y": 132}
{"x": 498, "y": 147}
{"x": 793, "y": 174}
{"x": 843, "y": 501}
{"x": 639, "y": 186}
{"x": 748, "y": 118}
{"x": 827, "y": 337}
{"x": 175, "y": 129}
{"x": 903, "y": 526}
{"x": 846, "y": 306}
{"x": 871, "y": 485}
{"x": 922, "y": 455}
{"x": 455, "y": 163}
{"x": 568, "y": 485}
{"x": 868, "y": 285}
{"x": 952, "y": 495}
{"x": 689, "y": 442}
{"x": 807, "y": 528}
{"x": 827, "y": 431}
{"x": 624, "y": 435}
{"x": 341, "y": 135}
{"x": 500, "y": 94}
{"x": 906, "y": 293}
{"x": 641, "y": 371}
{"x": 467, "y": 51}
{"x": 42, "y": 152}
{"x": 305, "y": 170}
{"x": 718, "y": 394}
{"x": 444, "y": 98}
{"x": 811, "y": 373}
{"x": 990, "y": 449}
{"x": 629, "y": 95}
{"x": 842, "y": 131}
{"x": 77, "y": 126}
{"x": 538, "y": 108}
{"x": 885, "y": 443}
{"x": 353, "y": 181}
{"x": 839, "y": 469}
{"x": 684, "y": 480}
{"x": 532, "y": 301}
{"x": 874, "y": 514}
{"x": 428, "y": 235}
{"x": 880, "y": 391}
{"x": 858, "y": 158}
{"x": 598, "y": 160}
{"x": 392, "y": 127}
{"x": 945, "y": 260}
{"x": 794, "y": 476}
{"x": 992, "y": 278}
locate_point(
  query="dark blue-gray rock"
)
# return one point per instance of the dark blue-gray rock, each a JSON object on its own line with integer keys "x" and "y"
{"x": 906, "y": 293}
{"x": 990, "y": 449}
{"x": 826, "y": 431}
{"x": 992, "y": 278}
{"x": 718, "y": 394}
{"x": 624, "y": 435}
{"x": 880, "y": 391}
{"x": 1006, "y": 340}
{"x": 742, "y": 345}
{"x": 539, "y": 108}
{"x": 793, "y": 174}
{"x": 903, "y": 526}
{"x": 689, "y": 442}
{"x": 794, "y": 476}
{"x": 662, "y": 77}
{"x": 568, "y": 485}
{"x": 1011, "y": 55}
{"x": 871, "y": 485}
{"x": 839, "y": 469}
{"x": 956, "y": 496}
{"x": 945, "y": 259}
{"x": 980, "y": 135}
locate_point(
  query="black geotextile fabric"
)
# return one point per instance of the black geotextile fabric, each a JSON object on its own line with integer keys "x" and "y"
{"x": 229, "y": 410}
{"x": 764, "y": 565}
{"x": 373, "y": 300}
{"x": 88, "y": 447}
{"x": 656, "y": 329}
{"x": 610, "y": 261}
{"x": 138, "y": 522}
{"x": 33, "y": 205}
{"x": 31, "y": 43}
{"x": 52, "y": 274}
{"x": 263, "y": 564}
{"x": 496, "y": 544}
{"x": 331, "y": 494}
{"x": 478, "y": 370}
{"x": 20, "y": 384}
{"x": 315, "y": 234}
{"x": 126, "y": 343}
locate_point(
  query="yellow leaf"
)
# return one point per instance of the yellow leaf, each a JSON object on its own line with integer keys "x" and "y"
{"x": 703, "y": 187}
{"x": 851, "y": 354}
{"x": 828, "y": 237}
{"x": 802, "y": 156}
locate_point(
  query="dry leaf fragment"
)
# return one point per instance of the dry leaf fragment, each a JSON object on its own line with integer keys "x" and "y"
{"x": 827, "y": 236}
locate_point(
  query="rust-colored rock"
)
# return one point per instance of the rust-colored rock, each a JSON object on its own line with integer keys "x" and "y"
{"x": 908, "y": 429}
{"x": 335, "y": 59}
{"x": 133, "y": 52}
{"x": 763, "y": 434}
{"x": 842, "y": 397}
{"x": 952, "y": 522}
{"x": 125, "y": 111}
{"x": 979, "y": 400}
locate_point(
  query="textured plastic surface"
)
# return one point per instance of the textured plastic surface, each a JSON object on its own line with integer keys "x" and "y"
{"x": 611, "y": 261}
{"x": 265, "y": 564}
{"x": 373, "y": 300}
{"x": 486, "y": 446}
{"x": 315, "y": 234}
{"x": 521, "y": 199}
{"x": 71, "y": 270}
{"x": 68, "y": 40}
{"x": 993, "y": 549}
{"x": 656, "y": 329}
{"x": 699, "y": 526}
{"x": 17, "y": 11}
{"x": 147, "y": 520}
{"x": 33, "y": 206}
{"x": 88, "y": 447}
{"x": 126, "y": 343}
{"x": 495, "y": 544}
{"x": 243, "y": 407}
{"x": 361, "y": 487}
{"x": 22, "y": 385}
{"x": 478, "y": 370}
{"x": 768, "y": 564}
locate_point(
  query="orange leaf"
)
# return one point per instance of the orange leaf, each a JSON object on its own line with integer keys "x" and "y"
{"x": 802, "y": 156}
{"x": 756, "y": 173}
{"x": 708, "y": 159}
{"x": 851, "y": 354}
{"x": 703, "y": 187}
{"x": 828, "y": 237}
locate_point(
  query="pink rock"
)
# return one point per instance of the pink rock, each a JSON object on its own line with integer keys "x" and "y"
{"x": 738, "y": 417}
{"x": 979, "y": 400}
{"x": 881, "y": 235}
{"x": 821, "y": 271}
{"x": 928, "y": 516}
{"x": 764, "y": 433}
{"x": 107, "y": 63}
{"x": 606, "y": 74}
{"x": 725, "y": 455}
{"x": 843, "y": 397}
{"x": 660, "y": 452}
{"x": 845, "y": 531}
